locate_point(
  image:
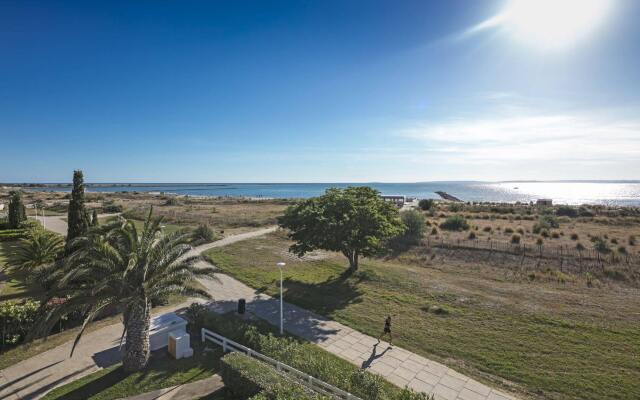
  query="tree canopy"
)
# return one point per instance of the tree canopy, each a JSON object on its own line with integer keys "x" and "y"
{"x": 355, "y": 221}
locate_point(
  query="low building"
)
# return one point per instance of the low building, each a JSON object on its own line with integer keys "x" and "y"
{"x": 544, "y": 202}
{"x": 398, "y": 200}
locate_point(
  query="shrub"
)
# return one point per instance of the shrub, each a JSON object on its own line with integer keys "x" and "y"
{"x": 508, "y": 231}
{"x": 415, "y": 226}
{"x": 409, "y": 394}
{"x": 539, "y": 242}
{"x": 455, "y": 223}
{"x": 367, "y": 385}
{"x": 520, "y": 231}
{"x": 547, "y": 222}
{"x": 515, "y": 239}
{"x": 579, "y": 246}
{"x": 245, "y": 377}
{"x": 614, "y": 241}
{"x": 171, "y": 201}
{"x": 622, "y": 250}
{"x": 574, "y": 236}
{"x": 472, "y": 236}
{"x": 16, "y": 319}
{"x": 111, "y": 208}
{"x": 9, "y": 235}
{"x": 632, "y": 240}
{"x": 203, "y": 234}
{"x": 487, "y": 229}
{"x": 601, "y": 246}
{"x": 567, "y": 211}
{"x": 544, "y": 233}
{"x": 426, "y": 204}
{"x": 455, "y": 207}
{"x": 434, "y": 231}
{"x": 555, "y": 235}
{"x": 585, "y": 212}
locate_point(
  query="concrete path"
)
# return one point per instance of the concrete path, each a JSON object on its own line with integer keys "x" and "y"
{"x": 397, "y": 365}
{"x": 57, "y": 224}
{"x": 188, "y": 391}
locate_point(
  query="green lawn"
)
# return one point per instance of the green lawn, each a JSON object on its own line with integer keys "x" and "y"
{"x": 162, "y": 371}
{"x": 543, "y": 340}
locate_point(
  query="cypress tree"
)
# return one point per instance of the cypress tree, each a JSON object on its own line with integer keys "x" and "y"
{"x": 17, "y": 211}
{"x": 77, "y": 217}
{"x": 94, "y": 218}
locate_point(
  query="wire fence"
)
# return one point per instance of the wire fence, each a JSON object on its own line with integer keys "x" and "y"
{"x": 545, "y": 251}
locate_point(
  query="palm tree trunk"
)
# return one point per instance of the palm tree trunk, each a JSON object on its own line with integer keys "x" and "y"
{"x": 136, "y": 348}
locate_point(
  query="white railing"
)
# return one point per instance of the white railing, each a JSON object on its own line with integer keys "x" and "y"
{"x": 307, "y": 380}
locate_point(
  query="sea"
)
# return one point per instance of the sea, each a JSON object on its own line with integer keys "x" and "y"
{"x": 621, "y": 193}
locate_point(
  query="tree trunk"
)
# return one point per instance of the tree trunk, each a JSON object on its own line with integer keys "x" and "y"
{"x": 136, "y": 348}
{"x": 352, "y": 256}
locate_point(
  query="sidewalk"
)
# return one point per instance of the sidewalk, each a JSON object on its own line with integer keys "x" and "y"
{"x": 397, "y": 365}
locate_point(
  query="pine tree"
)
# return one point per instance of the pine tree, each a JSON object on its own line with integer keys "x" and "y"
{"x": 17, "y": 211}
{"x": 94, "y": 218}
{"x": 77, "y": 218}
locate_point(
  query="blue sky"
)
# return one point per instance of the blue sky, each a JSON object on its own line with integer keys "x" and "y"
{"x": 308, "y": 91}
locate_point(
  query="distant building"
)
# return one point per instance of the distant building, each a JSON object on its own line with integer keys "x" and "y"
{"x": 544, "y": 202}
{"x": 398, "y": 200}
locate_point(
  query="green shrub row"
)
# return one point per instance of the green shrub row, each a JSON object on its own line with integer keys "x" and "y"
{"x": 245, "y": 377}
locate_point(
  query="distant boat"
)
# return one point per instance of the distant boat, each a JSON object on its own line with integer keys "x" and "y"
{"x": 516, "y": 188}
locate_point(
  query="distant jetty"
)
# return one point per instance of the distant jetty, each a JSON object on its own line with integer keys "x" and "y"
{"x": 447, "y": 196}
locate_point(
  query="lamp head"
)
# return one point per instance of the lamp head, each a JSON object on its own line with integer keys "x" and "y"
{"x": 281, "y": 264}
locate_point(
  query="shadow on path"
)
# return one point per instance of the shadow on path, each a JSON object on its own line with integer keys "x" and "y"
{"x": 367, "y": 363}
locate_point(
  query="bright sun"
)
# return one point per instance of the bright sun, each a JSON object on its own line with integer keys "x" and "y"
{"x": 551, "y": 23}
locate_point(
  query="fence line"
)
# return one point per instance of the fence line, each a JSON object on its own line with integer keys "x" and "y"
{"x": 305, "y": 379}
{"x": 536, "y": 251}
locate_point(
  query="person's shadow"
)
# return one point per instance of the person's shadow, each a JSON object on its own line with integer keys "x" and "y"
{"x": 367, "y": 363}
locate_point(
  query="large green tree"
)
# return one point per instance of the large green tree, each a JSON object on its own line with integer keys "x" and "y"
{"x": 355, "y": 221}
{"x": 17, "y": 211}
{"x": 77, "y": 216}
{"x": 115, "y": 265}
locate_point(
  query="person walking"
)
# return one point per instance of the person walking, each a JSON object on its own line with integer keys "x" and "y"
{"x": 387, "y": 330}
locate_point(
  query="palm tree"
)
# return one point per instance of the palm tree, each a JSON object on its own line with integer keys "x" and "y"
{"x": 38, "y": 254}
{"x": 114, "y": 265}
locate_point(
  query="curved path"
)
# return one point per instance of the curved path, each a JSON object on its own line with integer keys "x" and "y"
{"x": 32, "y": 378}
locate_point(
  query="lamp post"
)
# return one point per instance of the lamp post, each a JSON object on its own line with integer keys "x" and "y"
{"x": 280, "y": 266}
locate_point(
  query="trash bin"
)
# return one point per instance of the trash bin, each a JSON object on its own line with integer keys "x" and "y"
{"x": 242, "y": 306}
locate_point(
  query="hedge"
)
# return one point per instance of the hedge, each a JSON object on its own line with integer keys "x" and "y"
{"x": 245, "y": 377}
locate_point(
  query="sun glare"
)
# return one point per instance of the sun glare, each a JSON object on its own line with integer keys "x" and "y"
{"x": 552, "y": 23}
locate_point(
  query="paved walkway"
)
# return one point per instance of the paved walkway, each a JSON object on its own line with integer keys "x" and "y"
{"x": 57, "y": 224}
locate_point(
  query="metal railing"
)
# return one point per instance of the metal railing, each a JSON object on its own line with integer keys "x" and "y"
{"x": 305, "y": 379}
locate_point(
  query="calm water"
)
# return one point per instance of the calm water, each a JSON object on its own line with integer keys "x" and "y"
{"x": 574, "y": 192}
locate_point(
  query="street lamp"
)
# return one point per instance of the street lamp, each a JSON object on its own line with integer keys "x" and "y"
{"x": 280, "y": 266}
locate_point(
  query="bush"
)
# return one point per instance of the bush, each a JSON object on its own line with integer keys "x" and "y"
{"x": 622, "y": 250}
{"x": 574, "y": 236}
{"x": 245, "y": 377}
{"x": 520, "y": 231}
{"x": 111, "y": 208}
{"x": 303, "y": 356}
{"x": 567, "y": 211}
{"x": 555, "y": 235}
{"x": 487, "y": 229}
{"x": 171, "y": 201}
{"x": 408, "y": 394}
{"x": 600, "y": 245}
{"x": 368, "y": 386}
{"x": 614, "y": 241}
{"x": 472, "y": 236}
{"x": 455, "y": 207}
{"x": 426, "y": 204}
{"x": 544, "y": 233}
{"x": 632, "y": 240}
{"x": 515, "y": 239}
{"x": 203, "y": 234}
{"x": 434, "y": 231}
{"x": 9, "y": 235}
{"x": 545, "y": 222}
{"x": 585, "y": 212}
{"x": 579, "y": 246}
{"x": 508, "y": 230}
{"x": 16, "y": 320}
{"x": 415, "y": 226}
{"x": 455, "y": 223}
